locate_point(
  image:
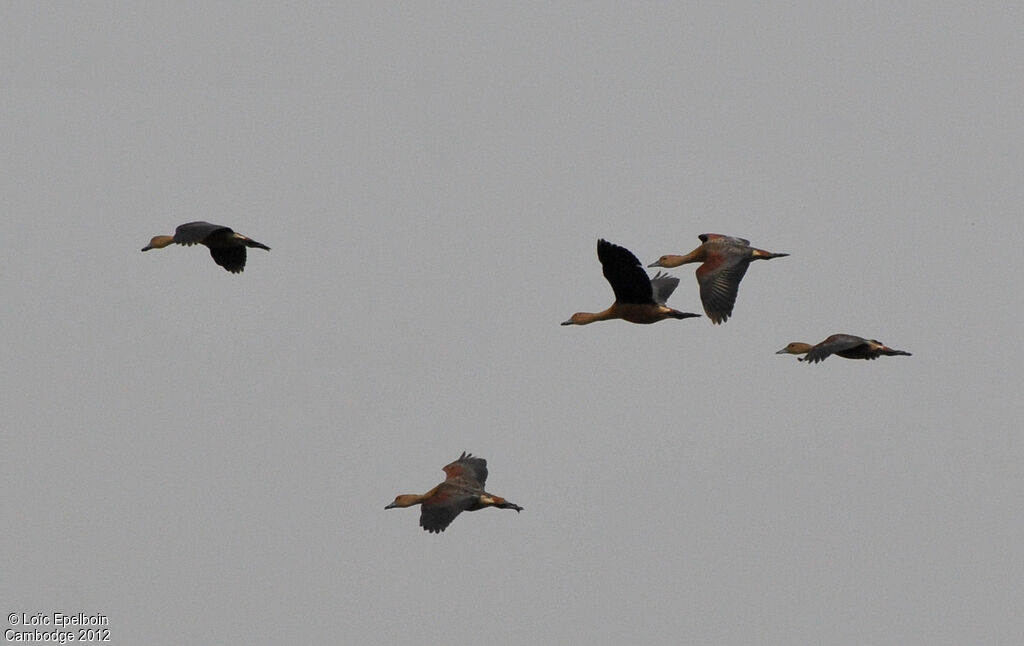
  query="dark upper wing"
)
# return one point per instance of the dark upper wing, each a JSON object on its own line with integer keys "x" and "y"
{"x": 719, "y": 279}
{"x": 196, "y": 232}
{"x": 230, "y": 258}
{"x": 833, "y": 345}
{"x": 468, "y": 470}
{"x": 628, "y": 279}
{"x": 440, "y": 510}
{"x": 704, "y": 237}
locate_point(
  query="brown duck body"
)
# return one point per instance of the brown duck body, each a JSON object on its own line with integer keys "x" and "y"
{"x": 638, "y": 298}
{"x": 462, "y": 490}
{"x": 847, "y": 346}
{"x": 724, "y": 261}
{"x": 226, "y": 247}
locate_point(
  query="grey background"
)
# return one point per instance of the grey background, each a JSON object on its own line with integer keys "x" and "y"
{"x": 205, "y": 458}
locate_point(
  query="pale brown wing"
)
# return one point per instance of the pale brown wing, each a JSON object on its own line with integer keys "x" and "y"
{"x": 719, "y": 279}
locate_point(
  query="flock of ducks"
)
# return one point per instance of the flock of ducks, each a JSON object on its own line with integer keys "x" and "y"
{"x": 638, "y": 299}
{"x": 724, "y": 261}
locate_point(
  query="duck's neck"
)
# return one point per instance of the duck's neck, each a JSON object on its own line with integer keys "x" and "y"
{"x": 670, "y": 261}
{"x": 584, "y": 318}
{"x": 410, "y": 499}
{"x": 159, "y": 242}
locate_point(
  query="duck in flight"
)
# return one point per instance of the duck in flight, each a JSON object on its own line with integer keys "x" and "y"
{"x": 226, "y": 246}
{"x": 638, "y": 298}
{"x": 844, "y": 345}
{"x": 724, "y": 262}
{"x": 462, "y": 490}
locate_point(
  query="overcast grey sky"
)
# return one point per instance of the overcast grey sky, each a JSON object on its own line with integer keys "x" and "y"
{"x": 205, "y": 457}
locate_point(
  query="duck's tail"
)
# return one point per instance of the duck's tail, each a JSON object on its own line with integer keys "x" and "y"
{"x": 676, "y": 314}
{"x": 761, "y": 254}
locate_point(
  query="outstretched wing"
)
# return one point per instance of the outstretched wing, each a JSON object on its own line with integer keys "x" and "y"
{"x": 662, "y": 286}
{"x": 230, "y": 258}
{"x": 626, "y": 275}
{"x": 838, "y": 343}
{"x": 719, "y": 279}
{"x": 196, "y": 232}
{"x": 704, "y": 237}
{"x": 449, "y": 500}
{"x": 468, "y": 471}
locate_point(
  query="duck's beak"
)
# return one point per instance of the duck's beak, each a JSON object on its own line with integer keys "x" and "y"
{"x": 656, "y": 263}
{"x": 147, "y": 247}
{"x": 783, "y": 351}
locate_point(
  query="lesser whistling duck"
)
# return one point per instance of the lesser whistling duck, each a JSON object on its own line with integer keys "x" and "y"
{"x": 845, "y": 345}
{"x": 226, "y": 246}
{"x": 462, "y": 490}
{"x": 638, "y": 298}
{"x": 725, "y": 260}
